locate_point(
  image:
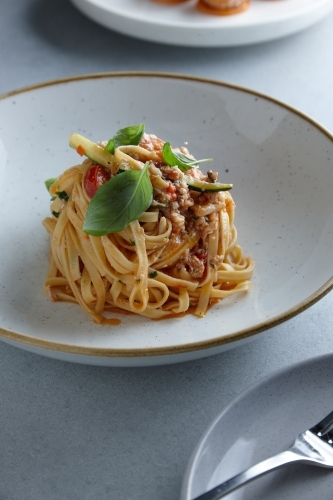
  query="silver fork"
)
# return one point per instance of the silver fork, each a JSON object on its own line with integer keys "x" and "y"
{"x": 314, "y": 446}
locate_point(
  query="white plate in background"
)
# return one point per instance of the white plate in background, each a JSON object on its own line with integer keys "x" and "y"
{"x": 279, "y": 160}
{"x": 184, "y": 25}
{"x": 262, "y": 421}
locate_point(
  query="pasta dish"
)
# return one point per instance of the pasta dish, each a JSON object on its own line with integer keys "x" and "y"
{"x": 137, "y": 227}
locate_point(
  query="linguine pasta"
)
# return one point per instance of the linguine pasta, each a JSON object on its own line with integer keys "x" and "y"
{"x": 179, "y": 255}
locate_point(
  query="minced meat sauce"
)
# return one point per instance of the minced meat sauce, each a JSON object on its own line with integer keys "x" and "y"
{"x": 189, "y": 211}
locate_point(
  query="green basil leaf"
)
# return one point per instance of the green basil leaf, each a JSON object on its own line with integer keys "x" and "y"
{"x": 118, "y": 202}
{"x": 48, "y": 183}
{"x": 176, "y": 158}
{"x": 125, "y": 136}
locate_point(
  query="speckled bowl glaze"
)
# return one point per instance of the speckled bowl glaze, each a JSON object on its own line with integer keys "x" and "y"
{"x": 259, "y": 423}
{"x": 280, "y": 163}
{"x": 184, "y": 24}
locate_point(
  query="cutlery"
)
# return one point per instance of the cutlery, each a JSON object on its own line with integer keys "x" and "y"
{"x": 313, "y": 446}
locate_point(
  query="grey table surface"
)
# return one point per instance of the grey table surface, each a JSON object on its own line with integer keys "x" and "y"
{"x": 81, "y": 432}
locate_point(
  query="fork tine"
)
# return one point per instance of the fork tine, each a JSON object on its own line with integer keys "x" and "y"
{"x": 327, "y": 438}
{"x": 323, "y": 425}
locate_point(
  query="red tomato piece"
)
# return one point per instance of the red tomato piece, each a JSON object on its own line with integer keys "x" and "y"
{"x": 171, "y": 189}
{"x": 201, "y": 254}
{"x": 96, "y": 176}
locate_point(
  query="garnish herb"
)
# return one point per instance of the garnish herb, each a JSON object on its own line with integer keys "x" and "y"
{"x": 118, "y": 202}
{"x": 132, "y": 243}
{"x": 176, "y": 158}
{"x": 153, "y": 275}
{"x": 56, "y": 214}
{"x": 48, "y": 183}
{"x": 63, "y": 195}
{"x": 126, "y": 136}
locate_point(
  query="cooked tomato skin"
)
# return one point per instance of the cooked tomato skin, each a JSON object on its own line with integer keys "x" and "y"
{"x": 201, "y": 254}
{"x": 171, "y": 189}
{"x": 96, "y": 176}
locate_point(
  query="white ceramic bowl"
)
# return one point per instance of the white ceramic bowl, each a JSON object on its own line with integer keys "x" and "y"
{"x": 279, "y": 160}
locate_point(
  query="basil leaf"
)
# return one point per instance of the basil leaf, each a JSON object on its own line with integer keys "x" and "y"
{"x": 118, "y": 202}
{"x": 126, "y": 136}
{"x": 48, "y": 183}
{"x": 176, "y": 158}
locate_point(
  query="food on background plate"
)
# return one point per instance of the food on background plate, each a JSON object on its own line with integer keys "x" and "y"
{"x": 170, "y": 1}
{"x": 215, "y": 7}
{"x": 137, "y": 227}
{"x": 222, "y": 7}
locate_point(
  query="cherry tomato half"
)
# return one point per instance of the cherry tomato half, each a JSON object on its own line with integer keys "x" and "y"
{"x": 96, "y": 176}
